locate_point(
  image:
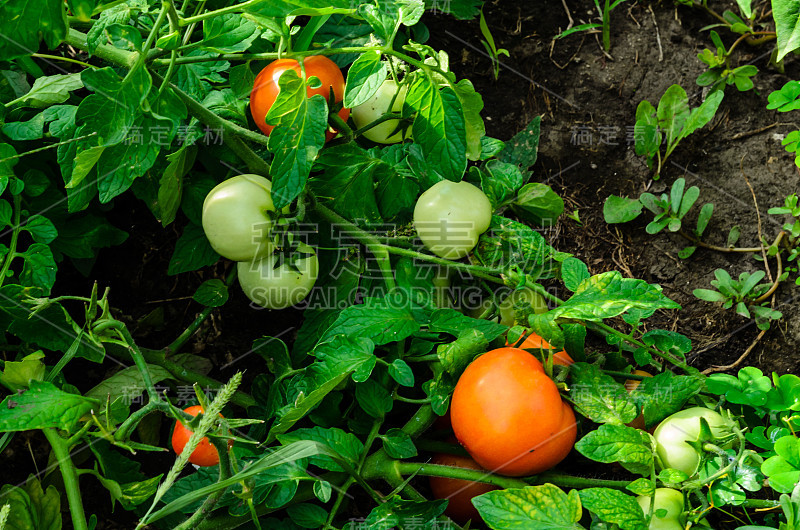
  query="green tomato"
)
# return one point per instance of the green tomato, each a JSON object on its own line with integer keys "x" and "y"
{"x": 377, "y": 106}
{"x": 450, "y": 217}
{"x": 669, "y": 500}
{"x": 523, "y": 297}
{"x": 237, "y": 220}
{"x": 277, "y": 287}
{"x": 672, "y": 434}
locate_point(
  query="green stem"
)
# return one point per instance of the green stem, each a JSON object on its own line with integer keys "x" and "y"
{"x": 472, "y": 475}
{"x": 134, "y": 352}
{"x": 12, "y": 246}
{"x": 664, "y": 355}
{"x": 70, "y": 476}
{"x": 151, "y": 38}
{"x": 208, "y": 505}
{"x": 376, "y": 248}
{"x": 133, "y": 420}
{"x": 103, "y": 51}
{"x": 235, "y": 8}
{"x": 188, "y": 332}
{"x": 60, "y": 58}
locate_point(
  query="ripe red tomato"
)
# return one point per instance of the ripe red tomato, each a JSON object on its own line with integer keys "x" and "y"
{"x": 509, "y": 415}
{"x": 459, "y": 493}
{"x": 266, "y": 88}
{"x": 534, "y": 341}
{"x": 204, "y": 454}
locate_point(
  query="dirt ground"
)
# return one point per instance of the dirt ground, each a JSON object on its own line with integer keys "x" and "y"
{"x": 588, "y": 102}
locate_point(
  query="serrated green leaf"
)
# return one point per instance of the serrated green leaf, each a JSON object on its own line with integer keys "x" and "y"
{"x": 544, "y": 507}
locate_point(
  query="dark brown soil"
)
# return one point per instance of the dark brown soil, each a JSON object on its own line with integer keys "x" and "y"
{"x": 588, "y": 102}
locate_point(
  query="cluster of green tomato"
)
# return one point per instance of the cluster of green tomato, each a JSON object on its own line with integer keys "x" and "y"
{"x": 238, "y": 219}
{"x": 239, "y": 214}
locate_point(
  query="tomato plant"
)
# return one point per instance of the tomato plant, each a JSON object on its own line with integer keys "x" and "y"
{"x": 492, "y": 404}
{"x": 266, "y": 89}
{"x": 205, "y": 454}
{"x": 450, "y": 216}
{"x": 388, "y": 99}
{"x": 630, "y": 386}
{"x": 459, "y": 493}
{"x": 674, "y": 432}
{"x": 238, "y": 217}
{"x": 668, "y": 509}
{"x": 273, "y": 284}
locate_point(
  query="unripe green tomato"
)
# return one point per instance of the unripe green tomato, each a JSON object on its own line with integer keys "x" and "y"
{"x": 450, "y": 217}
{"x": 236, "y": 217}
{"x": 665, "y": 499}
{"x": 377, "y": 106}
{"x": 672, "y": 434}
{"x": 279, "y": 287}
{"x": 523, "y": 296}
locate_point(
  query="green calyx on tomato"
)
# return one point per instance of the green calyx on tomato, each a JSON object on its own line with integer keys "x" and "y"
{"x": 450, "y": 217}
{"x": 274, "y": 285}
{"x": 205, "y": 454}
{"x": 238, "y": 217}
{"x": 265, "y": 88}
{"x": 668, "y": 513}
{"x": 388, "y": 94}
{"x": 492, "y": 409}
{"x": 676, "y": 435}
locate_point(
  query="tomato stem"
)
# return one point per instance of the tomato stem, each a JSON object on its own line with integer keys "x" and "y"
{"x": 70, "y": 476}
{"x": 12, "y": 246}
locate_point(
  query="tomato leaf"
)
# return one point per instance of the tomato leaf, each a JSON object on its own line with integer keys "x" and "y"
{"x": 599, "y": 397}
{"x": 32, "y": 129}
{"x": 346, "y": 445}
{"x": 401, "y": 372}
{"x": 228, "y": 33}
{"x": 211, "y": 293}
{"x": 787, "y": 26}
{"x": 31, "y": 506}
{"x": 347, "y": 182}
{"x": 348, "y": 354}
{"x": 608, "y": 295}
{"x": 453, "y": 322}
{"x": 374, "y": 399}
{"x": 618, "y": 443}
{"x": 398, "y": 444}
{"x": 40, "y": 268}
{"x": 456, "y": 355}
{"x": 192, "y": 251}
{"x": 538, "y": 203}
{"x": 43, "y": 406}
{"x": 298, "y": 136}
{"x": 614, "y": 507}
{"x": 394, "y": 511}
{"x": 544, "y": 507}
{"x": 472, "y": 105}
{"x": 379, "y": 321}
{"x": 573, "y": 273}
{"x": 25, "y": 23}
{"x": 499, "y": 180}
{"x": 665, "y": 394}
{"x": 364, "y": 77}
{"x": 672, "y": 112}
{"x": 439, "y": 127}
{"x": 522, "y": 150}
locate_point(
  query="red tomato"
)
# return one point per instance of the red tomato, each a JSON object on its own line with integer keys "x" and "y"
{"x": 534, "y": 342}
{"x": 266, "y": 88}
{"x": 204, "y": 454}
{"x": 506, "y": 413}
{"x": 459, "y": 493}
